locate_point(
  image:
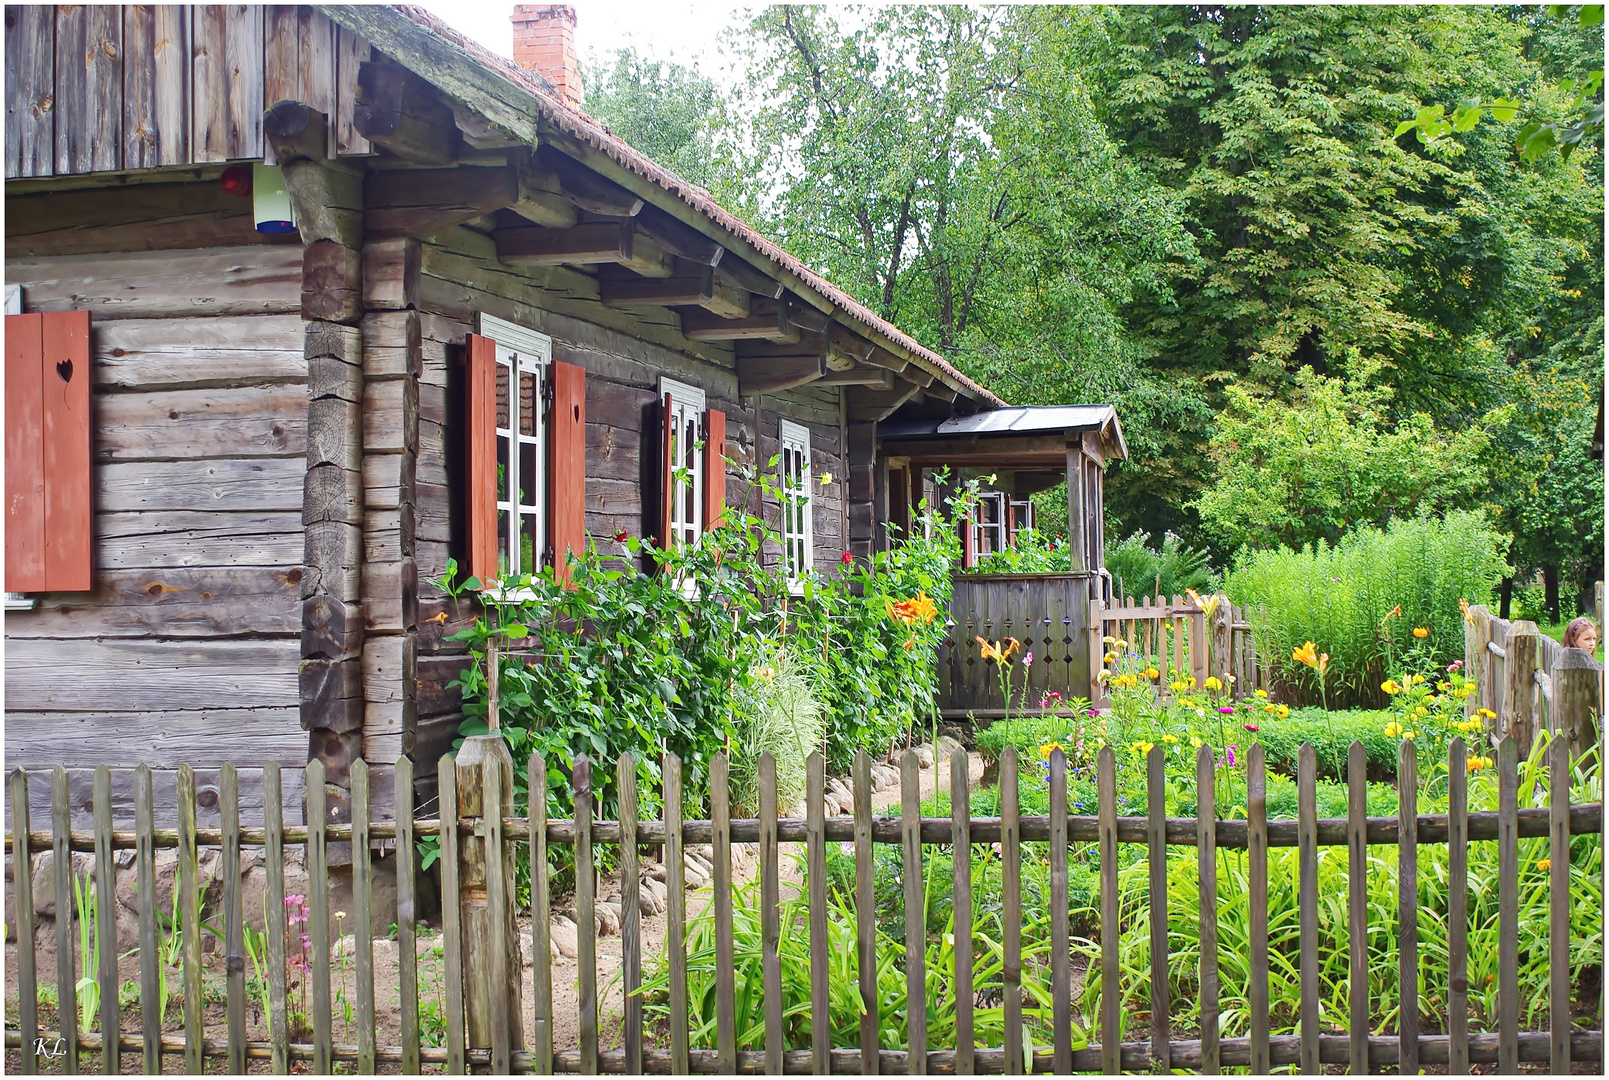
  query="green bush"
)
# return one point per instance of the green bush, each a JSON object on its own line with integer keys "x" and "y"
{"x": 784, "y": 720}
{"x": 1031, "y": 552}
{"x": 1166, "y": 571}
{"x": 1342, "y": 598}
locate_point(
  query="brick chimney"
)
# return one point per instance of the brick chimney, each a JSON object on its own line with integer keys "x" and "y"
{"x": 544, "y": 42}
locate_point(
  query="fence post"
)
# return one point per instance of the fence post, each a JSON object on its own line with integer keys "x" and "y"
{"x": 1577, "y": 699}
{"x": 482, "y": 942}
{"x": 1199, "y": 668}
{"x": 1517, "y": 717}
{"x": 1222, "y": 657}
{"x": 1097, "y": 649}
{"x": 1477, "y": 632}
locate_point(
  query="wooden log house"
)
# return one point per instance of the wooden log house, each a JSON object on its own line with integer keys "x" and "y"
{"x": 235, "y": 458}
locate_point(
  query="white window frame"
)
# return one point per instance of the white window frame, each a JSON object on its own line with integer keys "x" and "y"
{"x": 992, "y": 531}
{"x": 521, "y": 350}
{"x": 686, "y": 466}
{"x": 1024, "y": 515}
{"x": 798, "y": 503}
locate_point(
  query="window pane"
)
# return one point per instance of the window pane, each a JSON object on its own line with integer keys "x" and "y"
{"x": 527, "y": 473}
{"x": 502, "y": 397}
{"x": 530, "y": 557}
{"x": 528, "y": 402}
{"x": 503, "y": 564}
{"x": 502, "y": 469}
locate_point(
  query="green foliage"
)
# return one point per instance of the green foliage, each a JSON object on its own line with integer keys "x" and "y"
{"x": 1031, "y": 552}
{"x": 1311, "y": 469}
{"x": 1340, "y": 597}
{"x": 670, "y": 112}
{"x": 1165, "y": 571}
{"x": 784, "y": 721}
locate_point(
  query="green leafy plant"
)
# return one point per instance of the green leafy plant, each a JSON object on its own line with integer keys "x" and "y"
{"x": 785, "y": 721}
{"x": 1169, "y": 570}
{"x": 89, "y": 947}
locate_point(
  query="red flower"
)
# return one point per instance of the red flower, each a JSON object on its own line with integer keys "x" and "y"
{"x": 846, "y": 558}
{"x": 620, "y": 537}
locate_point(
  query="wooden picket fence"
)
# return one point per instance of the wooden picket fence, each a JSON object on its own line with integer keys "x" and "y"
{"x": 1531, "y": 682}
{"x": 1181, "y": 640}
{"x": 484, "y": 1028}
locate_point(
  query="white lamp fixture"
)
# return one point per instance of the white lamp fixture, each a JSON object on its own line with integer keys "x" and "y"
{"x": 271, "y": 202}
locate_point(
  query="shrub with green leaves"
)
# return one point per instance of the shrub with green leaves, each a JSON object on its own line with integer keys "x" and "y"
{"x": 1342, "y": 598}
{"x": 784, "y": 720}
{"x": 1164, "y": 571}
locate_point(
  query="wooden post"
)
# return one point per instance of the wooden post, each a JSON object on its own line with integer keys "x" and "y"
{"x": 1477, "y": 632}
{"x": 1222, "y": 660}
{"x": 1577, "y": 699}
{"x": 1077, "y": 541}
{"x": 1518, "y": 716}
{"x": 1199, "y": 668}
{"x": 483, "y": 942}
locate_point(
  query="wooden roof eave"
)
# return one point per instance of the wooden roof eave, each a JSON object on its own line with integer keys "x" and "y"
{"x": 511, "y": 108}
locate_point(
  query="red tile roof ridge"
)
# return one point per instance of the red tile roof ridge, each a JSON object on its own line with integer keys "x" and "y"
{"x": 575, "y": 122}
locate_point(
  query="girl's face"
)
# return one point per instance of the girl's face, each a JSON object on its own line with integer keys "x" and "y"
{"x": 1587, "y": 639}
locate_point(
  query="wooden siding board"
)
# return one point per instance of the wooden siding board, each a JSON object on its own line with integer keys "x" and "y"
{"x": 150, "y": 540}
{"x": 30, "y": 90}
{"x": 222, "y": 422}
{"x": 156, "y": 85}
{"x": 164, "y": 784}
{"x": 218, "y": 484}
{"x": 140, "y": 217}
{"x": 226, "y": 120}
{"x": 65, "y": 432}
{"x": 152, "y": 674}
{"x": 89, "y": 87}
{"x": 141, "y": 354}
{"x": 174, "y": 602}
{"x": 351, "y": 52}
{"x": 157, "y": 284}
{"x": 205, "y": 738}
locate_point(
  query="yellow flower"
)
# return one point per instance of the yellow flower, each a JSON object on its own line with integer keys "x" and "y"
{"x": 1417, "y": 679}
{"x": 1109, "y": 640}
{"x": 1212, "y": 683}
{"x": 1284, "y": 711}
{"x": 1187, "y": 703}
{"x": 1270, "y": 708}
{"x": 1544, "y": 865}
{"x": 1307, "y": 654}
{"x": 1392, "y": 687}
{"x": 1128, "y": 681}
{"x": 1410, "y": 735}
{"x": 1463, "y": 605}
{"x": 1421, "y": 631}
{"x": 1489, "y": 714}
{"x": 1262, "y": 693}
{"x": 1120, "y": 644}
{"x": 1170, "y": 738}
{"x": 1141, "y": 748}
{"x": 1393, "y": 729}
{"x": 1109, "y": 658}
{"x": 1151, "y": 673}
{"x": 826, "y": 478}
{"x": 1195, "y": 743}
{"x": 997, "y": 652}
{"x": 1048, "y": 749}
{"x": 1421, "y": 711}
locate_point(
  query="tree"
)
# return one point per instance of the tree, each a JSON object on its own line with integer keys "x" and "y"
{"x": 670, "y": 112}
{"x": 1290, "y": 473}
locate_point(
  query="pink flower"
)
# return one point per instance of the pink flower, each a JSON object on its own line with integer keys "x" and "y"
{"x": 846, "y": 558}
{"x": 1253, "y": 728}
{"x": 1095, "y": 714}
{"x": 1028, "y": 660}
{"x": 1229, "y": 756}
{"x": 1455, "y": 665}
{"x": 1226, "y": 710}
{"x": 620, "y": 537}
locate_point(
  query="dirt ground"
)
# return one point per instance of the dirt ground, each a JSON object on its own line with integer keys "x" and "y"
{"x": 431, "y": 974}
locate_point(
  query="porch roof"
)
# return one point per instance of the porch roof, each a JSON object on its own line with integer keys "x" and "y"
{"x": 1025, "y": 436}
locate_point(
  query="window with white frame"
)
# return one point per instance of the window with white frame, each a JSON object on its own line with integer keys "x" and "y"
{"x": 685, "y": 418}
{"x": 1022, "y": 517}
{"x": 523, "y": 360}
{"x": 989, "y": 530}
{"x": 796, "y": 527}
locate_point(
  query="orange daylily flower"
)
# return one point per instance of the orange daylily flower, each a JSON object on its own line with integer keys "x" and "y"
{"x": 996, "y": 651}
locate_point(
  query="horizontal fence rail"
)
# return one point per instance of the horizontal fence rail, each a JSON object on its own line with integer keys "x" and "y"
{"x": 486, "y": 1024}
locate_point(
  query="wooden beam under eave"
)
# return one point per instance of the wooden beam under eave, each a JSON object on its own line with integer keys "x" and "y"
{"x": 698, "y": 289}
{"x": 400, "y": 112}
{"x": 876, "y": 378}
{"x": 585, "y": 188}
{"x": 678, "y": 239}
{"x": 868, "y": 406}
{"x": 584, "y": 245}
{"x": 422, "y": 202}
{"x": 771, "y": 375}
{"x": 766, "y": 321}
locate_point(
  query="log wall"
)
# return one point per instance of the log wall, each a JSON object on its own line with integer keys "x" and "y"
{"x": 187, "y": 648}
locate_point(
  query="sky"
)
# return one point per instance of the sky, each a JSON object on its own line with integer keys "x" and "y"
{"x": 681, "y": 30}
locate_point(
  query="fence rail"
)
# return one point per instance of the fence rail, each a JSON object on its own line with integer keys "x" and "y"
{"x": 486, "y": 1022}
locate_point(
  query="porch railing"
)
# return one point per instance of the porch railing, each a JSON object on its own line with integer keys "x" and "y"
{"x": 485, "y": 1023}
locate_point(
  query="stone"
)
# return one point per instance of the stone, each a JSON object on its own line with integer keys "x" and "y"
{"x": 661, "y": 892}
{"x": 703, "y": 851}
{"x": 947, "y": 747}
{"x": 655, "y": 871}
{"x": 924, "y": 756}
{"x": 563, "y": 933}
{"x": 694, "y": 871}
{"x": 45, "y": 882}
{"x": 647, "y": 899}
{"x": 527, "y": 950}
{"x": 608, "y": 916}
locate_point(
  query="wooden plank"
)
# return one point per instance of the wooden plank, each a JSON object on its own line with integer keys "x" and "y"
{"x": 62, "y": 863}
{"x": 1357, "y": 843}
{"x": 541, "y": 970}
{"x": 234, "y": 422}
{"x": 1207, "y": 871}
{"x": 1257, "y": 902}
{"x": 630, "y": 913}
{"x": 30, "y": 93}
{"x": 1408, "y": 907}
{"x": 275, "y": 921}
{"x": 190, "y": 919}
{"x": 770, "y": 919}
{"x": 816, "y": 882}
{"x": 65, "y": 432}
{"x": 227, "y": 485}
{"x": 351, "y": 52}
{"x": 725, "y": 981}
{"x": 362, "y": 923}
{"x": 227, "y": 118}
{"x": 25, "y": 453}
{"x": 89, "y": 88}
{"x": 1157, "y": 856}
{"x": 1508, "y": 906}
{"x": 1559, "y": 902}
{"x": 22, "y": 864}
{"x": 1111, "y": 986}
{"x": 451, "y": 924}
{"x": 150, "y": 354}
{"x": 866, "y": 915}
{"x": 1457, "y": 908}
{"x": 407, "y": 917}
{"x": 116, "y": 674}
{"x": 1060, "y": 960}
{"x": 106, "y": 923}
{"x": 234, "y": 925}
{"x": 156, "y": 85}
{"x": 675, "y": 912}
{"x": 179, "y": 602}
{"x": 498, "y": 917}
{"x": 318, "y": 919}
{"x": 961, "y": 834}
{"x": 164, "y": 284}
{"x": 586, "y": 938}
{"x": 916, "y": 915}
{"x": 159, "y": 540}
{"x": 1307, "y": 902}
{"x": 208, "y": 737}
{"x": 1010, "y": 902}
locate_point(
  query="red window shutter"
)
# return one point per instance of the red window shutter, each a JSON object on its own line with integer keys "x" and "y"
{"x": 48, "y": 453}
{"x": 482, "y": 429}
{"x": 714, "y": 466}
{"x": 667, "y": 487}
{"x": 567, "y": 481}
